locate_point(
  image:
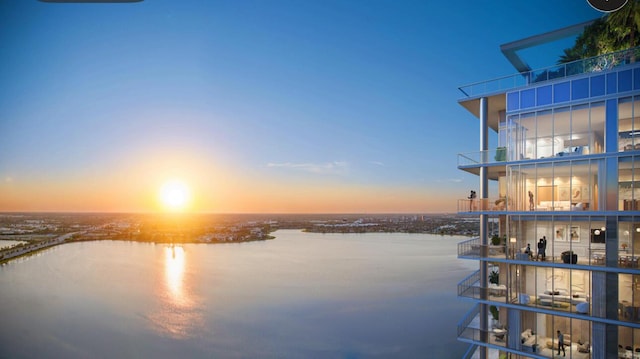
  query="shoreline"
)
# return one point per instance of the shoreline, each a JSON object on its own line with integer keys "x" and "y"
{"x": 24, "y": 250}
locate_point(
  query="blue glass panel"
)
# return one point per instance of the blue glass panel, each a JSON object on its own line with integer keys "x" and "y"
{"x": 513, "y": 101}
{"x": 597, "y": 85}
{"x": 624, "y": 80}
{"x": 611, "y": 123}
{"x": 636, "y": 79}
{"x": 561, "y": 92}
{"x": 527, "y": 98}
{"x": 579, "y": 89}
{"x": 612, "y": 83}
{"x": 543, "y": 95}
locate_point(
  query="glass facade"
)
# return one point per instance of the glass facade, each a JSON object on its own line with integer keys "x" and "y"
{"x": 565, "y": 255}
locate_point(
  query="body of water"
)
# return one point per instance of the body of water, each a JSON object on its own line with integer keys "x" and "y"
{"x": 301, "y": 295}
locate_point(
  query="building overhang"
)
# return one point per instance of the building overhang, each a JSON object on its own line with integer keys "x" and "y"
{"x": 496, "y": 104}
{"x": 510, "y": 49}
{"x": 493, "y": 171}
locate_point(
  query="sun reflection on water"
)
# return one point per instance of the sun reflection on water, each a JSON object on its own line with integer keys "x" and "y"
{"x": 180, "y": 313}
{"x": 174, "y": 272}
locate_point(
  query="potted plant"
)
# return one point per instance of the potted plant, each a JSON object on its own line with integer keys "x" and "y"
{"x": 494, "y": 313}
{"x": 500, "y": 242}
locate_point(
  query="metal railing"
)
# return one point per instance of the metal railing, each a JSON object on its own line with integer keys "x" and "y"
{"x": 465, "y": 321}
{"x": 468, "y": 287}
{"x": 471, "y": 351}
{"x": 469, "y": 248}
{"x": 588, "y": 65}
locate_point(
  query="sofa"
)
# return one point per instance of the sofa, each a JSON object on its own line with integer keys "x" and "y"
{"x": 554, "y": 206}
{"x": 530, "y": 341}
{"x": 562, "y": 295}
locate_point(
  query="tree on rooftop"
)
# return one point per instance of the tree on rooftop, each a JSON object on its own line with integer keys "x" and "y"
{"x": 616, "y": 31}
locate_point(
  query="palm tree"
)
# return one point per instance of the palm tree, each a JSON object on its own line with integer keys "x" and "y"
{"x": 625, "y": 25}
{"x": 614, "y": 32}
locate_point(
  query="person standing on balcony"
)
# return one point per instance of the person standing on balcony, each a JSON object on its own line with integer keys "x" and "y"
{"x": 541, "y": 248}
{"x": 561, "y": 344}
{"x": 531, "y": 204}
{"x": 471, "y": 197}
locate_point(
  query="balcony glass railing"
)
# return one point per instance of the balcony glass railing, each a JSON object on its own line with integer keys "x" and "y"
{"x": 592, "y": 64}
{"x": 469, "y": 287}
{"x": 500, "y": 205}
{"x": 471, "y": 352}
{"x": 469, "y": 248}
{"x": 464, "y": 323}
{"x": 482, "y": 157}
{"x": 469, "y": 328}
{"x": 482, "y": 205}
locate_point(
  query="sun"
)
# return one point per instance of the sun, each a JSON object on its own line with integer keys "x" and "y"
{"x": 175, "y": 195}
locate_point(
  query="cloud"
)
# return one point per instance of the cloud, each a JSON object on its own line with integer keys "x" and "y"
{"x": 377, "y": 163}
{"x": 336, "y": 167}
{"x": 449, "y": 180}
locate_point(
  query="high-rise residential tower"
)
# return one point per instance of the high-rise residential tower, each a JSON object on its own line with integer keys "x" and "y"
{"x": 562, "y": 177}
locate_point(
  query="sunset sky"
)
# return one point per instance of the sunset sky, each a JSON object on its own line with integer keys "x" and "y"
{"x": 257, "y": 106}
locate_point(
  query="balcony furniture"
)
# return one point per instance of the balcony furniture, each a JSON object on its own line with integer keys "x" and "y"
{"x": 628, "y": 261}
{"x": 499, "y": 334}
{"x": 569, "y": 257}
{"x": 524, "y": 298}
{"x": 584, "y": 347}
{"x": 497, "y": 290}
{"x": 562, "y": 296}
{"x": 554, "y": 206}
{"x": 529, "y": 341}
{"x": 582, "y": 308}
{"x": 598, "y": 258}
{"x": 573, "y": 151}
{"x": 629, "y": 312}
{"x": 631, "y": 204}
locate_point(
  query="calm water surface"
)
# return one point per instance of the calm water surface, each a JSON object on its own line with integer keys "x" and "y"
{"x": 302, "y": 295}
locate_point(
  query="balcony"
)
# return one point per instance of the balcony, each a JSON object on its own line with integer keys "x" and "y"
{"x": 500, "y": 204}
{"x": 481, "y": 205}
{"x": 470, "y": 288}
{"x": 584, "y": 255}
{"x": 469, "y": 329}
{"x": 589, "y": 65}
{"x": 482, "y": 157}
{"x": 469, "y": 248}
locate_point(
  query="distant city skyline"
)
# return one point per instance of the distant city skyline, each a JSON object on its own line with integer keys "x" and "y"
{"x": 257, "y": 106}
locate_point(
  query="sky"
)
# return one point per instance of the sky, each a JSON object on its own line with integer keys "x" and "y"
{"x": 255, "y": 106}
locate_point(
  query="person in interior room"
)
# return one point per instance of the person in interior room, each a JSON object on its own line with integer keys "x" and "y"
{"x": 528, "y": 251}
{"x": 561, "y": 344}
{"x": 531, "y": 204}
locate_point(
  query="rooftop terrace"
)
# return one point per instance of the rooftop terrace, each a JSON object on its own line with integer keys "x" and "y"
{"x": 588, "y": 65}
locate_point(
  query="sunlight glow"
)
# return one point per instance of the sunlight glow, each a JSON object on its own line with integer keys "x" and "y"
{"x": 175, "y": 195}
